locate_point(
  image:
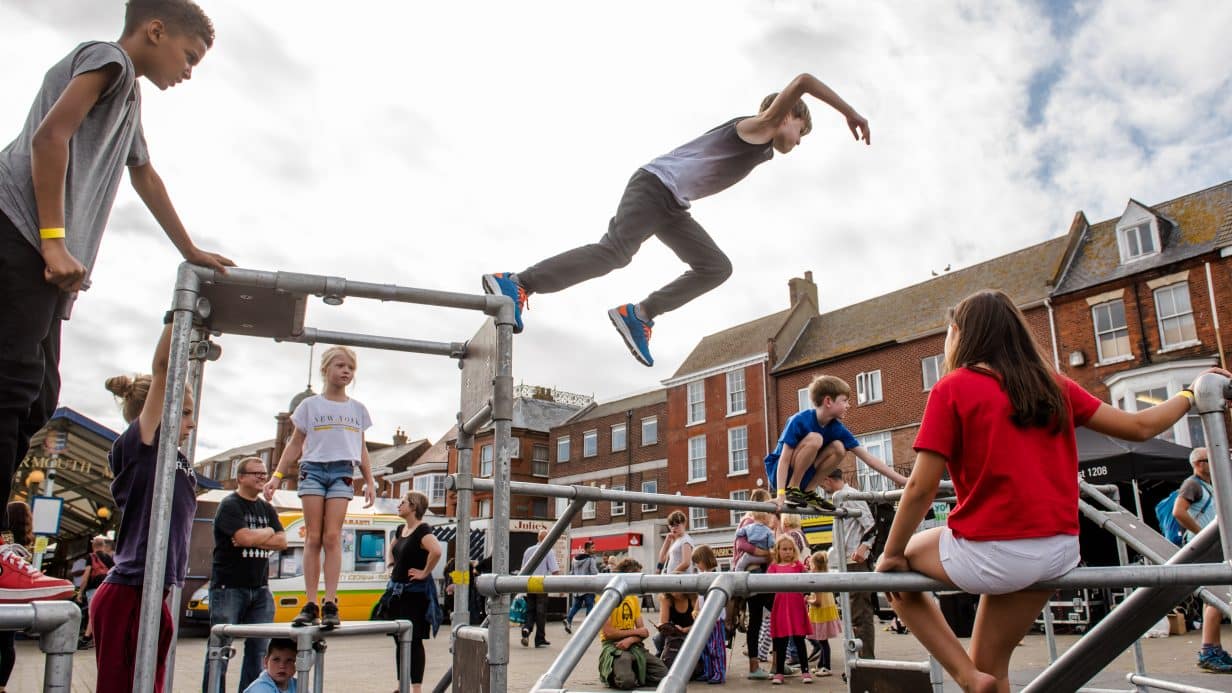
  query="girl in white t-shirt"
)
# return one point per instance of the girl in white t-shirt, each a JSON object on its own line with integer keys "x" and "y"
{"x": 328, "y": 442}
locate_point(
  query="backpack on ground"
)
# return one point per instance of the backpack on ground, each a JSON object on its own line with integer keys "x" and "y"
{"x": 1168, "y": 526}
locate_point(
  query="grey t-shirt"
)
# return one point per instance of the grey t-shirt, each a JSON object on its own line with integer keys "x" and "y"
{"x": 709, "y": 164}
{"x": 108, "y": 139}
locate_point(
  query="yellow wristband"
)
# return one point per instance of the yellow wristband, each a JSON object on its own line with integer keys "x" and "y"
{"x": 1188, "y": 394}
{"x": 55, "y": 232}
{"x": 782, "y": 492}
{"x": 278, "y": 475}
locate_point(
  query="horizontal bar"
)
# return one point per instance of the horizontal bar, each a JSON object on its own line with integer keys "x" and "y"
{"x": 890, "y": 665}
{"x": 479, "y": 420}
{"x": 1140, "y": 680}
{"x": 758, "y": 583}
{"x": 318, "y": 285}
{"x": 37, "y": 617}
{"x": 274, "y": 630}
{"x": 945, "y": 487}
{"x": 312, "y": 335}
{"x": 592, "y": 493}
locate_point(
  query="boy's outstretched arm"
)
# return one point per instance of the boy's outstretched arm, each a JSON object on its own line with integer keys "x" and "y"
{"x": 150, "y": 188}
{"x": 49, "y": 168}
{"x": 760, "y": 128}
{"x": 879, "y": 465}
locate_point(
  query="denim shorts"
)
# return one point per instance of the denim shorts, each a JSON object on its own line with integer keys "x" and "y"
{"x": 329, "y": 479}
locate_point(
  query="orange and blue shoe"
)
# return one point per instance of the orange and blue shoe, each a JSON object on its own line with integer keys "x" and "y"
{"x": 634, "y": 330}
{"x": 500, "y": 284}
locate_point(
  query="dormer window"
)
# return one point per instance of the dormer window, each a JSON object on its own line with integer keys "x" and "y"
{"x": 1138, "y": 232}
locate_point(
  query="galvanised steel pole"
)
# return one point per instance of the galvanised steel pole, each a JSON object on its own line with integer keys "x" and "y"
{"x": 462, "y": 568}
{"x": 502, "y": 424}
{"x": 613, "y": 593}
{"x": 1212, "y": 393}
{"x": 183, "y": 305}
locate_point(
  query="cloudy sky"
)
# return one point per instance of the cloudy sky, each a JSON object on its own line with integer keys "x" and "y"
{"x": 426, "y": 143}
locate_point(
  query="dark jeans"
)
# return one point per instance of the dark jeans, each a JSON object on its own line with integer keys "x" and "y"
{"x": 29, "y": 352}
{"x": 8, "y": 655}
{"x": 537, "y": 609}
{"x": 240, "y": 605}
{"x": 580, "y": 601}
{"x": 646, "y": 209}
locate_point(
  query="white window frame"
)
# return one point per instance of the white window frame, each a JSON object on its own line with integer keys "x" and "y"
{"x": 432, "y": 486}
{"x": 868, "y": 387}
{"x": 624, "y": 437}
{"x": 540, "y": 467}
{"x": 490, "y": 451}
{"x": 618, "y": 507}
{"x": 698, "y": 519}
{"x": 802, "y": 399}
{"x": 695, "y": 459}
{"x": 653, "y": 422}
{"x": 1113, "y": 332}
{"x": 1180, "y": 317}
{"x": 650, "y": 486}
{"x": 1133, "y": 234}
{"x": 1172, "y": 376}
{"x": 588, "y": 510}
{"x": 485, "y": 507}
{"x": 695, "y": 402}
{"x": 937, "y": 364}
{"x": 562, "y": 504}
{"x": 736, "y": 466}
{"x": 737, "y": 399}
{"x": 565, "y": 441}
{"x": 880, "y": 445}
{"x": 590, "y": 443}
{"x": 741, "y": 495}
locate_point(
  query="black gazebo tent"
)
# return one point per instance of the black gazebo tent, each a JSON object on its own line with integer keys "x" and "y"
{"x": 1106, "y": 460}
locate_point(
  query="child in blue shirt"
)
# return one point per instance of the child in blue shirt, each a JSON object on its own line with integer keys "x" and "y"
{"x": 815, "y": 441}
{"x": 279, "y": 674}
{"x": 758, "y": 535}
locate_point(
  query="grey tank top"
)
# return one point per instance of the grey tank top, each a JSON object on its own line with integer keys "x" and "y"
{"x": 107, "y": 140}
{"x": 709, "y": 164}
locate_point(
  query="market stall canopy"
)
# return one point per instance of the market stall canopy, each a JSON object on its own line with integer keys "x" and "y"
{"x": 1103, "y": 459}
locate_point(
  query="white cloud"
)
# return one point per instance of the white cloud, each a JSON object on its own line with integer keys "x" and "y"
{"x": 427, "y": 144}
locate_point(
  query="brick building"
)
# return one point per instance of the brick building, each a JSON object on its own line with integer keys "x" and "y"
{"x": 616, "y": 445}
{"x": 719, "y": 413}
{"x": 889, "y": 350}
{"x": 1142, "y": 301}
{"x": 427, "y": 473}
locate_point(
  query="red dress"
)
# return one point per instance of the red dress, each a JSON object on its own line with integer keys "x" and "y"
{"x": 789, "y": 616}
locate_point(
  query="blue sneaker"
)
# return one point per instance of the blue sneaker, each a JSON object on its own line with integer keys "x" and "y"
{"x": 636, "y": 333}
{"x": 1214, "y": 660}
{"x": 501, "y": 284}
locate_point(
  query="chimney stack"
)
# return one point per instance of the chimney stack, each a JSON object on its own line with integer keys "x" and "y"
{"x": 400, "y": 436}
{"x": 798, "y": 289}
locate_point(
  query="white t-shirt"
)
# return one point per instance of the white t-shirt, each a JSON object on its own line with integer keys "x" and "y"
{"x": 333, "y": 431}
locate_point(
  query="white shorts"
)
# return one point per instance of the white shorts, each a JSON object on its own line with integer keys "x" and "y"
{"x": 1007, "y": 565}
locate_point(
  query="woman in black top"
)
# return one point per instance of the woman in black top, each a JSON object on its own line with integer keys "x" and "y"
{"x": 412, "y": 556}
{"x": 676, "y": 609}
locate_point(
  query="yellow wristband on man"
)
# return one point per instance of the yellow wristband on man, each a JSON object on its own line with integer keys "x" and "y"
{"x": 51, "y": 232}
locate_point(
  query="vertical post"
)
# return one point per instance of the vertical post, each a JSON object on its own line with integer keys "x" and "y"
{"x": 1050, "y": 632}
{"x": 851, "y": 645}
{"x": 678, "y": 675}
{"x": 183, "y": 305}
{"x": 318, "y": 667}
{"x": 304, "y": 658}
{"x": 58, "y": 643}
{"x": 1211, "y": 393}
{"x": 462, "y": 544}
{"x": 502, "y": 424}
{"x": 49, "y": 490}
{"x": 936, "y": 676}
{"x": 404, "y": 657}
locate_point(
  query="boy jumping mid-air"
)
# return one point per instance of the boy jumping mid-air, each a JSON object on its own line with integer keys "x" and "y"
{"x": 656, "y": 203}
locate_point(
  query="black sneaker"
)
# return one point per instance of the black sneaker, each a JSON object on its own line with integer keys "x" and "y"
{"x": 545, "y": 643}
{"x": 525, "y": 639}
{"x": 329, "y": 615}
{"x": 307, "y": 616}
{"x": 568, "y": 627}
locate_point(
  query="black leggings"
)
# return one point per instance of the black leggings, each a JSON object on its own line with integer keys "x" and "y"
{"x": 823, "y": 646}
{"x": 8, "y": 656}
{"x": 780, "y": 654}
{"x": 413, "y": 606}
{"x": 757, "y": 605}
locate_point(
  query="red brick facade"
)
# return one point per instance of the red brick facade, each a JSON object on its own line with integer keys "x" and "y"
{"x": 520, "y": 469}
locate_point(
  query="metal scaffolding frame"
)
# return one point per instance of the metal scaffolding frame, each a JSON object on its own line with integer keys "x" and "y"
{"x": 271, "y": 305}
{"x": 58, "y": 623}
{"x": 1197, "y": 564}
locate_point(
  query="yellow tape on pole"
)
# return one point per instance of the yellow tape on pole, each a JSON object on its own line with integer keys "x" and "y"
{"x": 460, "y": 577}
{"x": 534, "y": 583}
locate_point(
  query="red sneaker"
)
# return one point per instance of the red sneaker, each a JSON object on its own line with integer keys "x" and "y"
{"x": 21, "y": 583}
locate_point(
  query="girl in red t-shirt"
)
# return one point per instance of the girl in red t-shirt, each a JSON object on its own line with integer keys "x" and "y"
{"x": 1001, "y": 422}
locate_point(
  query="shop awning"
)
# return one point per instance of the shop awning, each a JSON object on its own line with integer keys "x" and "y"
{"x": 607, "y": 542}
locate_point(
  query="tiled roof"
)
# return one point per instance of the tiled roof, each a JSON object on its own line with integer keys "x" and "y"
{"x": 919, "y": 309}
{"x": 387, "y": 456}
{"x": 1195, "y": 224}
{"x": 732, "y": 344}
{"x": 248, "y": 450}
{"x": 537, "y": 414}
{"x": 598, "y": 410}
{"x": 439, "y": 452}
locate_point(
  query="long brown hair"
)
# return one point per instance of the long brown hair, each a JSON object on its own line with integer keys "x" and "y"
{"x": 21, "y": 523}
{"x": 992, "y": 331}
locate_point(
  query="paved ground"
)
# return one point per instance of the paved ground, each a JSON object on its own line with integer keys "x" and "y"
{"x": 366, "y": 664}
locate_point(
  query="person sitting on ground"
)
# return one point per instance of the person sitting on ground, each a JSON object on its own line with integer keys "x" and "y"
{"x": 279, "y": 674}
{"x": 625, "y": 663}
{"x": 815, "y": 441}
{"x": 675, "y": 622}
{"x": 1194, "y": 509}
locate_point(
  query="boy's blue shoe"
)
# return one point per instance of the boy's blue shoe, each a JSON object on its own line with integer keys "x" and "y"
{"x": 1214, "y": 659}
{"x": 635, "y": 332}
{"x": 500, "y": 284}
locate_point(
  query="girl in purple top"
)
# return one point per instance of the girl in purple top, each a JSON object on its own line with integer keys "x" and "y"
{"x": 133, "y": 459}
